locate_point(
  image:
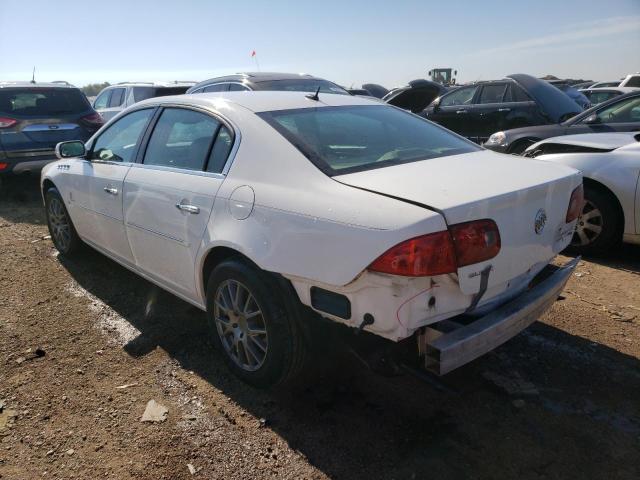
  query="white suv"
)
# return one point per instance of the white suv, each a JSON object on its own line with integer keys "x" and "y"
{"x": 115, "y": 98}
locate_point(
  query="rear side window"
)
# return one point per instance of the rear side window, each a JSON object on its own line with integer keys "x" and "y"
{"x": 235, "y": 87}
{"x": 181, "y": 139}
{"x": 39, "y": 102}
{"x": 462, "y": 96}
{"x": 599, "y": 97}
{"x": 117, "y": 96}
{"x": 118, "y": 142}
{"x": 492, "y": 93}
{"x": 348, "y": 139}
{"x": 515, "y": 93}
{"x": 142, "y": 93}
{"x": 220, "y": 150}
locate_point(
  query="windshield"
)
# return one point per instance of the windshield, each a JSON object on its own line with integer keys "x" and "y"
{"x": 340, "y": 140}
{"x": 42, "y": 102}
{"x": 300, "y": 85}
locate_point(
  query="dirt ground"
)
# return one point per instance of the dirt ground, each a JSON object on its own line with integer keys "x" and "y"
{"x": 85, "y": 344}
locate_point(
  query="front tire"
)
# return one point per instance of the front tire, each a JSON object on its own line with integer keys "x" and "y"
{"x": 599, "y": 225}
{"x": 63, "y": 233}
{"x": 250, "y": 323}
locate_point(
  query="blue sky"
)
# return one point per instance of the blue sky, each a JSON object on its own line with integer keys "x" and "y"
{"x": 349, "y": 42}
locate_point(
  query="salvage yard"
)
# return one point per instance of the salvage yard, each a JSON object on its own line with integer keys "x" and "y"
{"x": 85, "y": 345}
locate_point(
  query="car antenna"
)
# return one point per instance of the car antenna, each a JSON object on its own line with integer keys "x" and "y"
{"x": 33, "y": 75}
{"x": 314, "y": 96}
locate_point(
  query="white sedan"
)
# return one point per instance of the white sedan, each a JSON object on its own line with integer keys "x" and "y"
{"x": 610, "y": 165}
{"x": 268, "y": 209}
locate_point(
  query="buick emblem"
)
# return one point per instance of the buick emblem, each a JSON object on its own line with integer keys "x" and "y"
{"x": 540, "y": 221}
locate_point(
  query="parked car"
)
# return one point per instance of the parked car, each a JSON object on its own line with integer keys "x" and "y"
{"x": 34, "y": 117}
{"x": 602, "y": 94}
{"x": 478, "y": 110}
{"x": 632, "y": 80}
{"x": 416, "y": 96}
{"x": 620, "y": 114}
{"x": 263, "y": 208}
{"x": 298, "y": 82}
{"x": 610, "y": 165}
{"x": 375, "y": 90}
{"x": 574, "y": 94}
{"x": 115, "y": 98}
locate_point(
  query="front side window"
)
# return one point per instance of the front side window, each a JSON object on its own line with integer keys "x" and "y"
{"x": 217, "y": 87}
{"x": 181, "y": 139}
{"x": 621, "y": 112}
{"x": 119, "y": 142}
{"x": 462, "y": 96}
{"x": 492, "y": 93}
{"x": 102, "y": 101}
{"x": 347, "y": 139}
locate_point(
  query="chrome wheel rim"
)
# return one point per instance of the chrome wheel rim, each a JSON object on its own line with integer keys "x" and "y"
{"x": 240, "y": 324}
{"x": 59, "y": 223}
{"x": 589, "y": 226}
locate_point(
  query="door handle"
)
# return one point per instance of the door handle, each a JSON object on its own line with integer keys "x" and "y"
{"x": 504, "y": 109}
{"x": 188, "y": 208}
{"x": 111, "y": 190}
{"x": 462, "y": 111}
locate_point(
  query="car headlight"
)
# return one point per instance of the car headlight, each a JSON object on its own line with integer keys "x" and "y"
{"x": 497, "y": 138}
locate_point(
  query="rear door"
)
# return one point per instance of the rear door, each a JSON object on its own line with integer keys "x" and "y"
{"x": 169, "y": 195}
{"x": 455, "y": 110}
{"x": 490, "y": 110}
{"x": 98, "y": 187}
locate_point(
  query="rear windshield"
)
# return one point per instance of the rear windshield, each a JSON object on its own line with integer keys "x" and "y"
{"x": 142, "y": 93}
{"x": 300, "y": 85}
{"x": 38, "y": 102}
{"x": 340, "y": 140}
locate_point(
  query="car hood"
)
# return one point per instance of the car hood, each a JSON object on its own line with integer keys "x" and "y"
{"x": 600, "y": 141}
{"x": 416, "y": 96}
{"x": 555, "y": 103}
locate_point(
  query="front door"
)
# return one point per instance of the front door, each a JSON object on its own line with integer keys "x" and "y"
{"x": 168, "y": 198}
{"x": 110, "y": 159}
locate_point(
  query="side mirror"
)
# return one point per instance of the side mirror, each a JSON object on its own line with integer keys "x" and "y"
{"x": 72, "y": 149}
{"x": 591, "y": 119}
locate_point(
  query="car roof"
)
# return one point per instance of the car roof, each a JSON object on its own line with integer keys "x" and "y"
{"x": 60, "y": 84}
{"x": 177, "y": 83}
{"x": 610, "y": 89}
{"x": 261, "y": 101}
{"x": 255, "y": 77}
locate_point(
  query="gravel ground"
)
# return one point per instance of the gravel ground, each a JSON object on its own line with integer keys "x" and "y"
{"x": 85, "y": 344}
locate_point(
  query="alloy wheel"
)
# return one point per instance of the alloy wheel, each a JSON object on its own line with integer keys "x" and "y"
{"x": 589, "y": 225}
{"x": 240, "y": 324}
{"x": 59, "y": 223}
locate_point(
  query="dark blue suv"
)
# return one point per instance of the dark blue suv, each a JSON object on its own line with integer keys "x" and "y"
{"x": 34, "y": 117}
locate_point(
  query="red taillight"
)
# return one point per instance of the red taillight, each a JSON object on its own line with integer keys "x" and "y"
{"x": 431, "y": 254}
{"x": 3, "y": 166}
{"x": 441, "y": 252}
{"x": 475, "y": 241}
{"x": 576, "y": 204}
{"x": 7, "y": 122}
{"x": 94, "y": 119}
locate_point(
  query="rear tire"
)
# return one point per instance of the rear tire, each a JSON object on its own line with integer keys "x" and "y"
{"x": 252, "y": 325}
{"x": 63, "y": 233}
{"x": 600, "y": 224}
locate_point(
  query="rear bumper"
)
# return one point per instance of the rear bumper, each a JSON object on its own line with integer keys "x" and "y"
{"x": 448, "y": 345}
{"x": 25, "y": 166}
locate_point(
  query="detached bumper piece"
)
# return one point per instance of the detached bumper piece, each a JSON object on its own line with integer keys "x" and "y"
{"x": 448, "y": 345}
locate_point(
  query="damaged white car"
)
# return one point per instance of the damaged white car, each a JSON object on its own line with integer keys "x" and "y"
{"x": 264, "y": 207}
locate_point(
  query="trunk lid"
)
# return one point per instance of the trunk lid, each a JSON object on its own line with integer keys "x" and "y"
{"x": 514, "y": 192}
